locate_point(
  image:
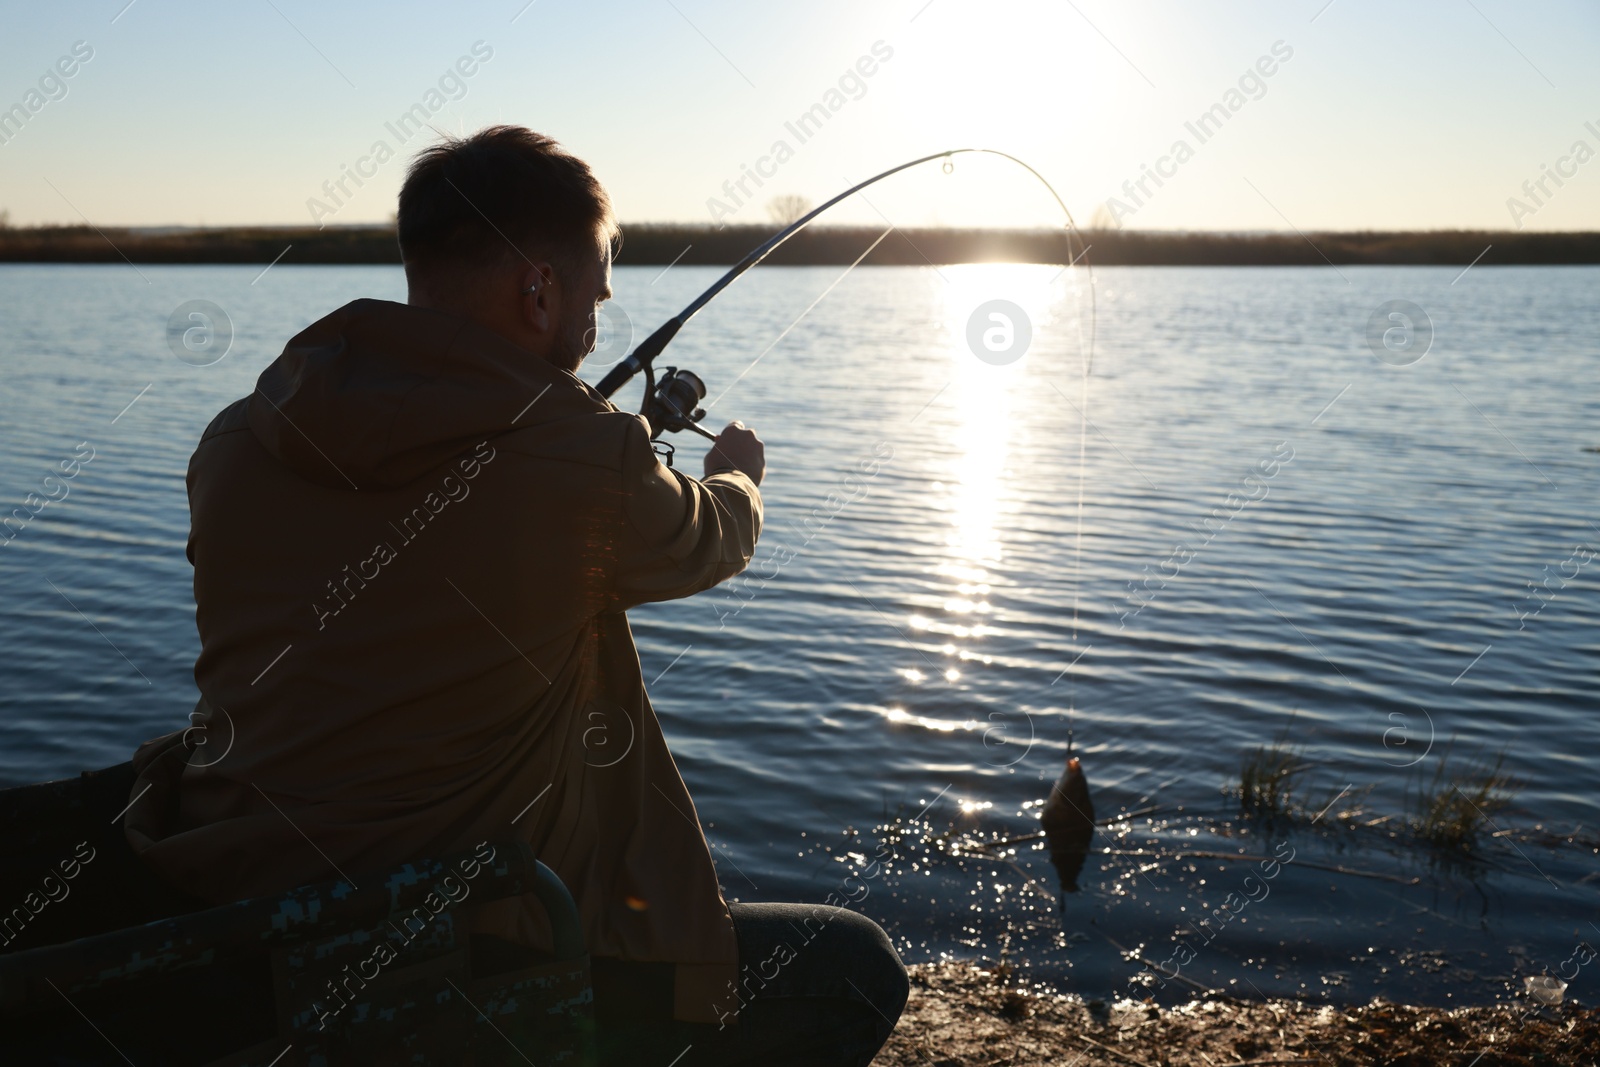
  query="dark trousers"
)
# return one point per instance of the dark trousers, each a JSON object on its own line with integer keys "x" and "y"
{"x": 818, "y": 987}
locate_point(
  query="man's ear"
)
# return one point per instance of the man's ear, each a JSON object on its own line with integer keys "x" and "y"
{"x": 538, "y": 297}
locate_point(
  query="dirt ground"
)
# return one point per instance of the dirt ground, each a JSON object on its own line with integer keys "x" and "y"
{"x": 961, "y": 1015}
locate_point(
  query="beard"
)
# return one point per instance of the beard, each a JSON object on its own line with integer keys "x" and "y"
{"x": 573, "y": 347}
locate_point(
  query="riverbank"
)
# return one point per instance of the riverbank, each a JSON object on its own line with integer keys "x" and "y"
{"x": 695, "y": 245}
{"x": 961, "y": 1015}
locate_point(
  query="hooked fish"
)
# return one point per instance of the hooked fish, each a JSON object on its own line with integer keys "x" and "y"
{"x": 1068, "y": 823}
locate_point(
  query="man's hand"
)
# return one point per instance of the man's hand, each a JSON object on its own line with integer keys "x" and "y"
{"x": 737, "y": 448}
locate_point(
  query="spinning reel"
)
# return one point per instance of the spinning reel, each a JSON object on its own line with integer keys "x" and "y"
{"x": 672, "y": 404}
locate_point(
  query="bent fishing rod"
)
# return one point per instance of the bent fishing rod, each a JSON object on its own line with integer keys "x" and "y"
{"x": 672, "y": 404}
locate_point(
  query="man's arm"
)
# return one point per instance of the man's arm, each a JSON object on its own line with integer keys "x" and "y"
{"x": 681, "y": 535}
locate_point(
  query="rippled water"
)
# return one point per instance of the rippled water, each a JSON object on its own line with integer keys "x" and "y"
{"x": 920, "y": 632}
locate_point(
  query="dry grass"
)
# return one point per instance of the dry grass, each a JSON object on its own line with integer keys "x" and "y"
{"x": 960, "y": 1015}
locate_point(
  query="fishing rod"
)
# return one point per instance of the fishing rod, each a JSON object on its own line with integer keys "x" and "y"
{"x": 672, "y": 404}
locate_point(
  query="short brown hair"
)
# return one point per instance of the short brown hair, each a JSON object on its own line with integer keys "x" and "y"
{"x": 505, "y": 191}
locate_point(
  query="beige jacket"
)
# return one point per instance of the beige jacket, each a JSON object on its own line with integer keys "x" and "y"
{"x": 413, "y": 545}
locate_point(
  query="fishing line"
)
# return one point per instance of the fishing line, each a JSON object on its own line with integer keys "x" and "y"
{"x": 674, "y": 408}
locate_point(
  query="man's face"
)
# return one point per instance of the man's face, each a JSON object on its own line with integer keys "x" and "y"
{"x": 590, "y": 287}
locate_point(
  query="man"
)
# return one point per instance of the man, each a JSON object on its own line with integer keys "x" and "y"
{"x": 413, "y": 546}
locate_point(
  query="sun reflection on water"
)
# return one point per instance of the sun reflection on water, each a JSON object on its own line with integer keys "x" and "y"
{"x": 986, "y": 429}
{"x": 982, "y": 439}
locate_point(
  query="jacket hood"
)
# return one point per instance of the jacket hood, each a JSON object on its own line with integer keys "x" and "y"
{"x": 377, "y": 394}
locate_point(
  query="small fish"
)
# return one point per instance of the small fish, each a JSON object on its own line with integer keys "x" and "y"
{"x": 1068, "y": 823}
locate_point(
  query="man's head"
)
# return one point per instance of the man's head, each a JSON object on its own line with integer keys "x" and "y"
{"x": 508, "y": 229}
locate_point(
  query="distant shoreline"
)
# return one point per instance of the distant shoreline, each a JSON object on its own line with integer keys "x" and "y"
{"x": 700, "y": 245}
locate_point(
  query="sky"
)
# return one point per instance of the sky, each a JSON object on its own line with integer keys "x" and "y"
{"x": 1349, "y": 115}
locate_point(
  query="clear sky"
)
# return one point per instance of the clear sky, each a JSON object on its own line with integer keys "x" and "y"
{"x": 1376, "y": 114}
